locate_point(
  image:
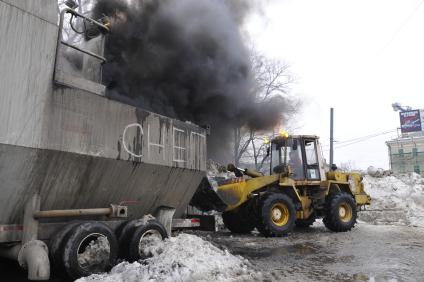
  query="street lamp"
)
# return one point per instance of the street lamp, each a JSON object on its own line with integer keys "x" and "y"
{"x": 397, "y": 107}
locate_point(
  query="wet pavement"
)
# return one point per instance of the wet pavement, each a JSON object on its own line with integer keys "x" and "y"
{"x": 367, "y": 253}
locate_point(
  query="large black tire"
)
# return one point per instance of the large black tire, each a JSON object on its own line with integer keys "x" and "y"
{"x": 77, "y": 239}
{"x": 145, "y": 236}
{"x": 238, "y": 222}
{"x": 341, "y": 212}
{"x": 276, "y": 215}
{"x": 124, "y": 234}
{"x": 305, "y": 223}
{"x": 56, "y": 248}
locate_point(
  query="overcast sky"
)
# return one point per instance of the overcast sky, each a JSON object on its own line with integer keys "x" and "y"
{"x": 358, "y": 56}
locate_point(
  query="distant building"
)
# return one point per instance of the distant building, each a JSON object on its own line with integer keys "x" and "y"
{"x": 407, "y": 154}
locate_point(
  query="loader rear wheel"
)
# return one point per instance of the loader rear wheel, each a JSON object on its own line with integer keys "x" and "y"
{"x": 237, "y": 223}
{"x": 341, "y": 212}
{"x": 276, "y": 215}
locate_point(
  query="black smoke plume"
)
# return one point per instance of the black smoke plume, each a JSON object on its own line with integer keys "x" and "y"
{"x": 185, "y": 59}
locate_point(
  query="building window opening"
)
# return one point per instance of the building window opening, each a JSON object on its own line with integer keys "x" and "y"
{"x": 415, "y": 152}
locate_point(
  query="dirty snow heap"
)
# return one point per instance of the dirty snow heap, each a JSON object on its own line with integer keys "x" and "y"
{"x": 182, "y": 258}
{"x": 396, "y": 200}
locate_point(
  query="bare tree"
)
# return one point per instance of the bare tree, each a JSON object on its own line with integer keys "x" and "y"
{"x": 272, "y": 79}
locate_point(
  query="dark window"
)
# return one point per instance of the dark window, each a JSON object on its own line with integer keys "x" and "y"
{"x": 294, "y": 159}
{"x": 312, "y": 166}
{"x": 415, "y": 152}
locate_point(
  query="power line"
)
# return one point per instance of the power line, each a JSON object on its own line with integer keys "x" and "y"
{"x": 395, "y": 34}
{"x": 346, "y": 143}
{"x": 363, "y": 137}
{"x": 366, "y": 137}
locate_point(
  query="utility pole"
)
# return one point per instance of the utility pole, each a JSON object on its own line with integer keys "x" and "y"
{"x": 331, "y": 136}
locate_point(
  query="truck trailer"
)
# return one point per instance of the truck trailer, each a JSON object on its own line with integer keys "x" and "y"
{"x": 76, "y": 167}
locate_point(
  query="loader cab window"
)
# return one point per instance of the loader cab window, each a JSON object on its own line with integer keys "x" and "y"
{"x": 311, "y": 159}
{"x": 294, "y": 160}
{"x": 292, "y": 151}
{"x": 277, "y": 156}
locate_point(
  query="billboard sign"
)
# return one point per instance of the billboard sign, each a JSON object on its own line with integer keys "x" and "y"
{"x": 422, "y": 119}
{"x": 411, "y": 121}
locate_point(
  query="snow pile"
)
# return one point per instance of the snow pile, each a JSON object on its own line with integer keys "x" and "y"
{"x": 397, "y": 200}
{"x": 378, "y": 172}
{"x": 97, "y": 252}
{"x": 216, "y": 170}
{"x": 182, "y": 258}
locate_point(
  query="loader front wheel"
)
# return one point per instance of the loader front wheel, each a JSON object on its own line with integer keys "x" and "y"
{"x": 276, "y": 215}
{"x": 237, "y": 223}
{"x": 341, "y": 212}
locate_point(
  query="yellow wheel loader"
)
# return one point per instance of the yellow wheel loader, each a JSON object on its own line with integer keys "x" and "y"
{"x": 297, "y": 191}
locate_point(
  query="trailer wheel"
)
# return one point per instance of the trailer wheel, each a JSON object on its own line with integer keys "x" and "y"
{"x": 238, "y": 223}
{"x": 276, "y": 215}
{"x": 123, "y": 233}
{"x": 89, "y": 248}
{"x": 144, "y": 239}
{"x": 305, "y": 223}
{"x": 56, "y": 246}
{"x": 341, "y": 212}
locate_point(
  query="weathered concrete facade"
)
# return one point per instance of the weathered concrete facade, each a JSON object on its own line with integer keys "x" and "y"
{"x": 75, "y": 148}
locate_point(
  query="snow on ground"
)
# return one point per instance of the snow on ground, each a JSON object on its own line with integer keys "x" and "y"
{"x": 396, "y": 199}
{"x": 185, "y": 257}
{"x": 96, "y": 252}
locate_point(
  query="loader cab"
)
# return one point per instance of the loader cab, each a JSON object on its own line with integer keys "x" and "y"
{"x": 300, "y": 153}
